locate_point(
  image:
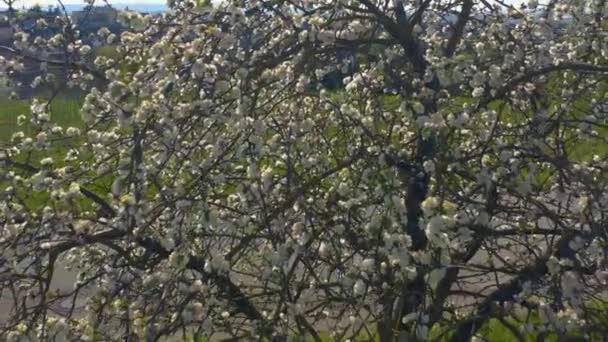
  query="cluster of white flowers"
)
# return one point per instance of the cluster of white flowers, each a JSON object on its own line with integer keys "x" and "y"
{"x": 256, "y": 167}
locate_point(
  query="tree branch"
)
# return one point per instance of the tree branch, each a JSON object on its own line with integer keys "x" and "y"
{"x": 463, "y": 19}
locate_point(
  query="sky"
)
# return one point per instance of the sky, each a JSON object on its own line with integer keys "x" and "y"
{"x": 44, "y": 3}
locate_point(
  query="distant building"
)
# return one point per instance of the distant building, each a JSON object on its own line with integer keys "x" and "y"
{"x": 95, "y": 16}
{"x": 92, "y": 19}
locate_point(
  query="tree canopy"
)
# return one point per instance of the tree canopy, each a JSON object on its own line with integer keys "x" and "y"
{"x": 456, "y": 175}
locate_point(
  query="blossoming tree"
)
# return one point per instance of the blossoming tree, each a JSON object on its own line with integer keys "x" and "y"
{"x": 10, "y": 4}
{"x": 218, "y": 187}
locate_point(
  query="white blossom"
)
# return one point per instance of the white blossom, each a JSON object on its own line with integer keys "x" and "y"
{"x": 360, "y": 288}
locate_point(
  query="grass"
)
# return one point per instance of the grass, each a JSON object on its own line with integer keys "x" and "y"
{"x": 64, "y": 112}
{"x": 492, "y": 331}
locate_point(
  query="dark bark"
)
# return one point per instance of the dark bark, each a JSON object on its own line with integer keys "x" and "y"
{"x": 463, "y": 19}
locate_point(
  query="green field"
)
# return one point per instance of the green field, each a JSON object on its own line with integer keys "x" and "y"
{"x": 64, "y": 111}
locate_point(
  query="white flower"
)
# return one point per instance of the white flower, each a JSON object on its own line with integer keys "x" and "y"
{"x": 178, "y": 260}
{"x": 553, "y": 265}
{"x": 359, "y": 289}
{"x": 303, "y": 82}
{"x": 435, "y": 225}
{"x": 85, "y": 49}
{"x": 41, "y": 137}
{"x": 303, "y": 36}
{"x": 198, "y": 286}
{"x": 429, "y": 205}
{"x": 429, "y": 166}
{"x": 48, "y": 161}
{"x": 17, "y": 136}
{"x": 324, "y": 250}
{"x": 409, "y": 317}
{"x": 478, "y": 92}
{"x": 198, "y": 68}
{"x": 435, "y": 277}
{"x": 111, "y": 38}
{"x": 529, "y": 87}
{"x": 298, "y": 228}
{"x": 21, "y": 120}
{"x": 582, "y": 204}
{"x": 343, "y": 189}
{"x": 81, "y": 226}
{"x": 222, "y": 86}
{"x": 495, "y": 75}
{"x": 367, "y": 264}
{"x": 127, "y": 199}
{"x": 116, "y": 187}
{"x": 103, "y": 32}
{"x": 72, "y": 131}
